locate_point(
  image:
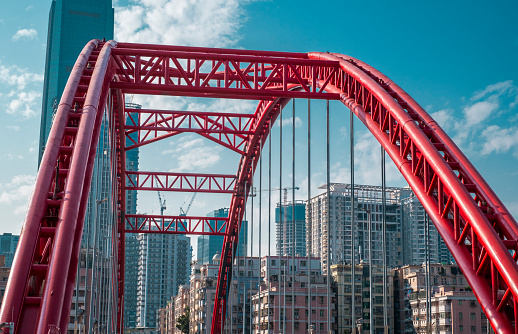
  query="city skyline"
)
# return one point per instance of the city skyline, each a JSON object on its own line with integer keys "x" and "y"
{"x": 484, "y": 105}
{"x": 475, "y": 104}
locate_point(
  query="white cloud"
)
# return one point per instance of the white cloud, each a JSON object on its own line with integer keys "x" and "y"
{"x": 288, "y": 122}
{"x": 480, "y": 111}
{"x": 14, "y": 127}
{"x": 18, "y": 190}
{"x": 29, "y": 7}
{"x": 23, "y": 103}
{"x": 498, "y": 88}
{"x": 25, "y": 34}
{"x": 194, "y": 154}
{"x": 212, "y": 23}
{"x": 17, "y": 76}
{"x": 499, "y": 140}
{"x": 444, "y": 118}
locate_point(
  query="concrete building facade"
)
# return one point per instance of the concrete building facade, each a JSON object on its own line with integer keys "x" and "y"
{"x": 447, "y": 284}
{"x": 336, "y": 225}
{"x": 414, "y": 222}
{"x": 283, "y": 303}
{"x": 163, "y": 265}
{"x": 342, "y": 283}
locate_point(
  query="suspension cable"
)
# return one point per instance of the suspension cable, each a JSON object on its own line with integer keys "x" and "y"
{"x": 282, "y": 239}
{"x": 294, "y": 245}
{"x": 269, "y": 221}
{"x": 260, "y": 233}
{"x": 310, "y": 217}
{"x": 251, "y": 257}
{"x": 328, "y": 194}
{"x": 353, "y": 250}
{"x": 384, "y": 239}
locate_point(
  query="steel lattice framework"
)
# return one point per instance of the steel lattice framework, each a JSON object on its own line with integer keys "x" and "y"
{"x": 477, "y": 228}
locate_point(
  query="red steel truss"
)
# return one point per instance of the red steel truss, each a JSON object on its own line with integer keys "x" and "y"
{"x": 210, "y": 183}
{"x": 176, "y": 224}
{"x": 227, "y": 129}
{"x": 476, "y": 226}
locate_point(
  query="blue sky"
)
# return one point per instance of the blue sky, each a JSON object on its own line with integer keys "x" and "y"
{"x": 457, "y": 59}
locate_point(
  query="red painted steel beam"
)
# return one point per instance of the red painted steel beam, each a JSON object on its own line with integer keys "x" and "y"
{"x": 22, "y": 299}
{"x": 427, "y": 165}
{"x": 189, "y": 225}
{"x": 205, "y": 74}
{"x": 227, "y": 129}
{"x": 54, "y": 291}
{"x": 188, "y": 182}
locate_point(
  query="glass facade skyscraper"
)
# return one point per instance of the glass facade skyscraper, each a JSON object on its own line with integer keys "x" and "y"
{"x": 72, "y": 24}
{"x": 208, "y": 245}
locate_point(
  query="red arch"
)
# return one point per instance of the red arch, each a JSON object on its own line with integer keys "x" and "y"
{"x": 475, "y": 225}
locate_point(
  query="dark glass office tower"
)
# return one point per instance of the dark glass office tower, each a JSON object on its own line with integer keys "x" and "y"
{"x": 72, "y": 24}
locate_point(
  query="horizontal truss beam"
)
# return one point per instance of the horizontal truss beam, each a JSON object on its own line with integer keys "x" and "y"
{"x": 210, "y": 74}
{"x": 182, "y": 182}
{"x": 176, "y": 224}
{"x": 145, "y": 126}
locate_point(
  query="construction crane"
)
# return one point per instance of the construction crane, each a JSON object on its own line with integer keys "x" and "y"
{"x": 162, "y": 204}
{"x": 285, "y": 189}
{"x": 184, "y": 212}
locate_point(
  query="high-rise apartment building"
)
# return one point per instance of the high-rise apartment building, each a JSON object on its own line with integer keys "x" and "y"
{"x": 163, "y": 265}
{"x": 131, "y": 242}
{"x": 290, "y": 219}
{"x": 283, "y": 305}
{"x": 209, "y": 245}
{"x": 454, "y": 308}
{"x": 342, "y": 282}
{"x": 72, "y": 24}
{"x": 414, "y": 222}
{"x": 336, "y": 225}
{"x": 8, "y": 244}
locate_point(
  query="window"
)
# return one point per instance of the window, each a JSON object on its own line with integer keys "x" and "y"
{"x": 321, "y": 313}
{"x": 461, "y": 328}
{"x": 321, "y": 326}
{"x": 460, "y": 315}
{"x": 460, "y": 302}
{"x": 473, "y": 329}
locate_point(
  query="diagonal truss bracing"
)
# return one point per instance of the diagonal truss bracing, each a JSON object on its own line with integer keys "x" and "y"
{"x": 203, "y": 73}
{"x": 230, "y": 130}
{"x": 176, "y": 224}
{"x": 190, "y": 182}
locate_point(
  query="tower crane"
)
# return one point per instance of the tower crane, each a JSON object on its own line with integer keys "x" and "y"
{"x": 162, "y": 204}
{"x": 184, "y": 212}
{"x": 285, "y": 189}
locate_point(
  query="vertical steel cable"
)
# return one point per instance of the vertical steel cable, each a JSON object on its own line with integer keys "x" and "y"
{"x": 328, "y": 194}
{"x": 353, "y": 260}
{"x": 269, "y": 219}
{"x": 384, "y": 239}
{"x": 427, "y": 273}
{"x": 244, "y": 247}
{"x": 252, "y": 189}
{"x": 260, "y": 233}
{"x": 371, "y": 265}
{"x": 294, "y": 244}
{"x": 309, "y": 219}
{"x": 282, "y": 211}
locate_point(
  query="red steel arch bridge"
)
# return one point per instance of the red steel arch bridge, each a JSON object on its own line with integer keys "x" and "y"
{"x": 475, "y": 225}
